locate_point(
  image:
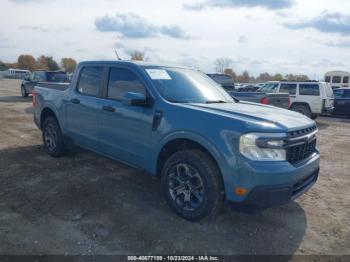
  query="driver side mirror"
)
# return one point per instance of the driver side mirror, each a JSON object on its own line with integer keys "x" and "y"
{"x": 135, "y": 99}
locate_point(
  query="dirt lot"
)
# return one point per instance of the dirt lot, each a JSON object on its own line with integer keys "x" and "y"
{"x": 88, "y": 204}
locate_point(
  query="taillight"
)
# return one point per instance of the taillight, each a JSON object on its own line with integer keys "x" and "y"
{"x": 264, "y": 101}
{"x": 34, "y": 98}
{"x": 288, "y": 101}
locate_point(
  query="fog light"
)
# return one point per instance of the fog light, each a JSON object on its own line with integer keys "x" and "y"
{"x": 240, "y": 191}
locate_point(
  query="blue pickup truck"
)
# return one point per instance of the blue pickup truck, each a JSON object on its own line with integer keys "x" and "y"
{"x": 178, "y": 124}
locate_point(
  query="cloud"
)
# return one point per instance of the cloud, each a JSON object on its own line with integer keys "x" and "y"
{"x": 339, "y": 43}
{"x": 133, "y": 26}
{"x": 25, "y": 1}
{"x": 326, "y": 22}
{"x": 174, "y": 31}
{"x": 34, "y": 28}
{"x": 242, "y": 39}
{"x": 268, "y": 4}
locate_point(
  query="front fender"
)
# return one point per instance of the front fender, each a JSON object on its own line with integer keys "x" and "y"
{"x": 189, "y": 135}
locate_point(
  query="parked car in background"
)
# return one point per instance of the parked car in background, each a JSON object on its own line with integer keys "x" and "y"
{"x": 29, "y": 82}
{"x": 342, "y": 101}
{"x": 310, "y": 98}
{"x": 338, "y": 79}
{"x": 247, "y": 88}
{"x": 224, "y": 80}
{"x": 178, "y": 124}
{"x": 268, "y": 98}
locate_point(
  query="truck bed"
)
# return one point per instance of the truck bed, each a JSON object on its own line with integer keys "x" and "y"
{"x": 56, "y": 86}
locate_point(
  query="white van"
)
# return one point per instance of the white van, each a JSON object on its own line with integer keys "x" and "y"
{"x": 309, "y": 98}
{"x": 338, "y": 79}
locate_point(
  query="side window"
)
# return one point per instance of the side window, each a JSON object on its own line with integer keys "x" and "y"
{"x": 336, "y": 79}
{"x": 32, "y": 76}
{"x": 90, "y": 80}
{"x": 345, "y": 79}
{"x": 309, "y": 89}
{"x": 122, "y": 81}
{"x": 338, "y": 93}
{"x": 328, "y": 79}
{"x": 288, "y": 88}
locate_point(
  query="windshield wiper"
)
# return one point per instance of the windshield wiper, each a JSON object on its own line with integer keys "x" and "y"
{"x": 215, "y": 102}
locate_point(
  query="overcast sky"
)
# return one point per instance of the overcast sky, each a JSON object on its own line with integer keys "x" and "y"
{"x": 288, "y": 36}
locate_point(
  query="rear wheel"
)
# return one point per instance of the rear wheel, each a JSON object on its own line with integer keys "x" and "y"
{"x": 52, "y": 137}
{"x": 302, "y": 109}
{"x": 192, "y": 185}
{"x": 23, "y": 92}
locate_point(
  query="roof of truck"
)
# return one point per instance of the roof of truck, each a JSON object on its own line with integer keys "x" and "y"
{"x": 130, "y": 62}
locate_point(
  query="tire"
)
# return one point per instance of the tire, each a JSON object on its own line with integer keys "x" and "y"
{"x": 52, "y": 137}
{"x": 192, "y": 185}
{"x": 23, "y": 92}
{"x": 302, "y": 109}
{"x": 314, "y": 116}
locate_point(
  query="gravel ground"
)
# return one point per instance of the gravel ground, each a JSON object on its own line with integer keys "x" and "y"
{"x": 87, "y": 204}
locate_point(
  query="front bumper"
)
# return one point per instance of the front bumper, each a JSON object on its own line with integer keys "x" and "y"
{"x": 262, "y": 197}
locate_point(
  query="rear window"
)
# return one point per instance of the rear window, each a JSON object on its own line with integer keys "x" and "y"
{"x": 269, "y": 88}
{"x": 90, "y": 80}
{"x": 56, "y": 77}
{"x": 336, "y": 79}
{"x": 309, "y": 89}
{"x": 338, "y": 93}
{"x": 328, "y": 79}
{"x": 288, "y": 88}
{"x": 345, "y": 80}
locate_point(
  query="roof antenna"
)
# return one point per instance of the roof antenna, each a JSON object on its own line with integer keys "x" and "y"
{"x": 116, "y": 53}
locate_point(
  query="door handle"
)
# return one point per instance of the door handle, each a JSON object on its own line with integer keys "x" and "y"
{"x": 75, "y": 101}
{"x": 108, "y": 108}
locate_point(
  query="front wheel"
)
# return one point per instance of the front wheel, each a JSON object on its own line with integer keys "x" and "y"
{"x": 192, "y": 185}
{"x": 52, "y": 137}
{"x": 23, "y": 92}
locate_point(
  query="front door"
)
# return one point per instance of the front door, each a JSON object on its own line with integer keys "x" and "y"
{"x": 125, "y": 130}
{"x": 83, "y": 108}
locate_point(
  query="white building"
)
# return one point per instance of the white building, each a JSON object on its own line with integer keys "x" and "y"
{"x": 338, "y": 79}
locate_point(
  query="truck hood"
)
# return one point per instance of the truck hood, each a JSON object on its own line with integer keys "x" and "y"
{"x": 258, "y": 113}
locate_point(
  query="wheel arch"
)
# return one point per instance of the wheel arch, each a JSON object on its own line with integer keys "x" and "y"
{"x": 45, "y": 113}
{"x": 176, "y": 143}
{"x": 301, "y": 104}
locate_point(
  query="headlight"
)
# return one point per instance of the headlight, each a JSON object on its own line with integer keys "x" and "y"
{"x": 271, "y": 151}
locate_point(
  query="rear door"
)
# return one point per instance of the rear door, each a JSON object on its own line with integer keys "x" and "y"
{"x": 84, "y": 107}
{"x": 125, "y": 130}
{"x": 310, "y": 94}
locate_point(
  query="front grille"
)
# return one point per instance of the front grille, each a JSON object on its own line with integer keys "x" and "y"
{"x": 302, "y": 132}
{"x": 298, "y": 153}
{"x": 303, "y": 147}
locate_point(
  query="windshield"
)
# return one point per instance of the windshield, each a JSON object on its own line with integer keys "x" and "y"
{"x": 56, "y": 77}
{"x": 268, "y": 88}
{"x": 180, "y": 85}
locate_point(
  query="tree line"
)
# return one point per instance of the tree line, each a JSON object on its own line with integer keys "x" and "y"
{"x": 223, "y": 65}
{"x": 28, "y": 62}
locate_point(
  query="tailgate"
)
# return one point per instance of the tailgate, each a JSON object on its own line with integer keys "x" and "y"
{"x": 278, "y": 99}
